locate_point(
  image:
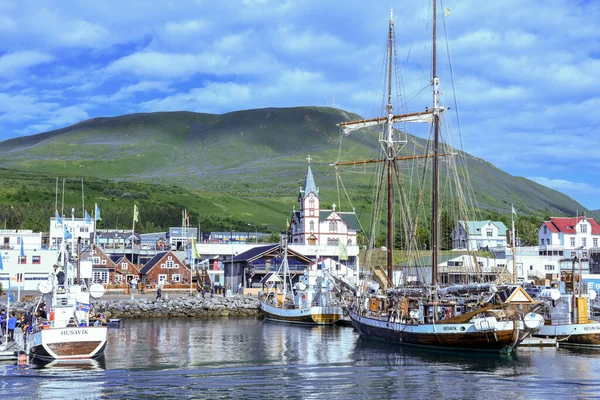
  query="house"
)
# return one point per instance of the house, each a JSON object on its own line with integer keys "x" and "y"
{"x": 125, "y": 270}
{"x": 475, "y": 235}
{"x": 103, "y": 267}
{"x": 570, "y": 233}
{"x": 313, "y": 226}
{"x": 252, "y": 266}
{"x": 165, "y": 267}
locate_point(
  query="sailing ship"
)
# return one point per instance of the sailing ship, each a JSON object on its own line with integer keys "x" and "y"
{"x": 309, "y": 301}
{"x": 475, "y": 317}
{"x": 67, "y": 334}
{"x": 567, "y": 313}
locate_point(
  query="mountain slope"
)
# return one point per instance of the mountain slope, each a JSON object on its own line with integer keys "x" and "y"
{"x": 255, "y": 157}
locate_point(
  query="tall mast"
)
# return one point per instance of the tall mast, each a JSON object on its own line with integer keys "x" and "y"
{"x": 390, "y": 155}
{"x": 434, "y": 193}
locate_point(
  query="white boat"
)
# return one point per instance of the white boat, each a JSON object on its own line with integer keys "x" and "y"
{"x": 567, "y": 316}
{"x": 310, "y": 301}
{"x": 472, "y": 318}
{"x": 67, "y": 334}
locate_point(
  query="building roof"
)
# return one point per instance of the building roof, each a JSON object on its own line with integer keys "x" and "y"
{"x": 152, "y": 262}
{"x": 349, "y": 218}
{"x": 473, "y": 228}
{"x": 309, "y": 183}
{"x": 567, "y": 225}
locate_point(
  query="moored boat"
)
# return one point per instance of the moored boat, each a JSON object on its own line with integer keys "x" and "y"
{"x": 477, "y": 317}
{"x": 309, "y": 301}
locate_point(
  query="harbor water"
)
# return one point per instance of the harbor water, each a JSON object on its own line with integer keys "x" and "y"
{"x": 249, "y": 358}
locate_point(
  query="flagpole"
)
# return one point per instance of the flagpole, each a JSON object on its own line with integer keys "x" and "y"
{"x": 133, "y": 234}
{"x": 82, "y": 200}
{"x": 512, "y": 217}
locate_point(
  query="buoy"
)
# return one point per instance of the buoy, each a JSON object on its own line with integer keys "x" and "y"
{"x": 51, "y": 315}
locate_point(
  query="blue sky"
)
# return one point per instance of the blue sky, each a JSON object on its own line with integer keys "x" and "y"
{"x": 526, "y": 73}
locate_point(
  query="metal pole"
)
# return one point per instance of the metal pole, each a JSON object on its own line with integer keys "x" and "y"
{"x": 255, "y": 233}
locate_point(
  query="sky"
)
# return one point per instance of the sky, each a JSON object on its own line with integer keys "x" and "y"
{"x": 524, "y": 88}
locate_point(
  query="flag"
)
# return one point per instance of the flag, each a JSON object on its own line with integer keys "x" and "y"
{"x": 58, "y": 218}
{"x": 187, "y": 219}
{"x": 22, "y": 249}
{"x": 136, "y": 213}
{"x": 97, "y": 212}
{"x": 85, "y": 307}
{"x": 343, "y": 250}
{"x": 447, "y": 12}
{"x": 182, "y": 218}
{"x": 513, "y": 210}
{"x": 195, "y": 252}
{"x": 67, "y": 234}
{"x": 1, "y": 265}
{"x": 88, "y": 219}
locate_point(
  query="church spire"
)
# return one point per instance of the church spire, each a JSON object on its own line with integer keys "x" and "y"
{"x": 309, "y": 181}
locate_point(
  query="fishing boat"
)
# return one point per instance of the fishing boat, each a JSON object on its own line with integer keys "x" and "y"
{"x": 67, "y": 333}
{"x": 308, "y": 301}
{"x": 567, "y": 314}
{"x": 478, "y": 316}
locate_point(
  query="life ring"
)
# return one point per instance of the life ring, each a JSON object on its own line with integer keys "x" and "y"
{"x": 304, "y": 297}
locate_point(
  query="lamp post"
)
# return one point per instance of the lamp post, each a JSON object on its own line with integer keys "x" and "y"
{"x": 255, "y": 233}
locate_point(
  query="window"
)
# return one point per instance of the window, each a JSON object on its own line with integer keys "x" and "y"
{"x": 547, "y": 241}
{"x": 124, "y": 265}
{"x": 101, "y": 276}
{"x": 332, "y": 226}
{"x": 103, "y": 262}
{"x": 572, "y": 242}
{"x": 22, "y": 260}
{"x": 584, "y": 242}
{"x": 595, "y": 241}
{"x": 35, "y": 260}
{"x": 170, "y": 264}
{"x": 489, "y": 233}
{"x": 96, "y": 260}
{"x": 311, "y": 203}
{"x": 162, "y": 277}
{"x": 312, "y": 226}
{"x": 583, "y": 228}
{"x": 549, "y": 267}
{"x": 119, "y": 278}
{"x": 545, "y": 230}
{"x": 176, "y": 278}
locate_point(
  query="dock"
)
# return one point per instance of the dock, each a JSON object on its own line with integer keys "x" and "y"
{"x": 539, "y": 342}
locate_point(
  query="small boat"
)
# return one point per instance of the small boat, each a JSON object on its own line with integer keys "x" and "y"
{"x": 67, "y": 333}
{"x": 310, "y": 301}
{"x": 568, "y": 316}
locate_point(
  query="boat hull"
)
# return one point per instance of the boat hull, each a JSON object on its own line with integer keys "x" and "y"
{"x": 68, "y": 343}
{"x": 440, "y": 336}
{"x": 572, "y": 334}
{"x": 316, "y": 315}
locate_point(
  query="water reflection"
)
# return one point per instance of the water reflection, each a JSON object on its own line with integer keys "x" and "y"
{"x": 249, "y": 358}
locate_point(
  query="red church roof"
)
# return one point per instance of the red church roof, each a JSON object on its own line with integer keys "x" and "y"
{"x": 567, "y": 225}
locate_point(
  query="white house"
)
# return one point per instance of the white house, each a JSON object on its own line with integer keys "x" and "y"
{"x": 475, "y": 235}
{"x": 83, "y": 228}
{"x": 25, "y": 260}
{"x": 570, "y": 233}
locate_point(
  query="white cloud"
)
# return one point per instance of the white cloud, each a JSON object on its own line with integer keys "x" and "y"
{"x": 15, "y": 64}
{"x": 165, "y": 65}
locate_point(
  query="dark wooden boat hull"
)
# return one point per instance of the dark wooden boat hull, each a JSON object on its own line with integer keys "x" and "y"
{"x": 440, "y": 336}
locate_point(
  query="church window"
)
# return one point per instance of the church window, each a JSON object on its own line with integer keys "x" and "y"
{"x": 312, "y": 226}
{"x": 332, "y": 226}
{"x": 311, "y": 203}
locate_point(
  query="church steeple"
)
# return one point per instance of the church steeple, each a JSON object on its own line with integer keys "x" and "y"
{"x": 309, "y": 182}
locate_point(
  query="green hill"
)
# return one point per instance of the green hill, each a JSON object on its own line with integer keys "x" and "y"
{"x": 229, "y": 170}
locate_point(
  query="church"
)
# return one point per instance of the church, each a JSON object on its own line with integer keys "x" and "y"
{"x": 312, "y": 225}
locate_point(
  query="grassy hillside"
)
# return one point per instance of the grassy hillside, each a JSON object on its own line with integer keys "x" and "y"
{"x": 228, "y": 170}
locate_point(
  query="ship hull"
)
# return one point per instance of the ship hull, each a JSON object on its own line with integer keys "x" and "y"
{"x": 462, "y": 336}
{"x": 572, "y": 334}
{"x": 316, "y": 315}
{"x": 70, "y": 343}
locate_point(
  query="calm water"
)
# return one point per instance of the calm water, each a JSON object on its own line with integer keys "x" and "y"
{"x": 248, "y": 358}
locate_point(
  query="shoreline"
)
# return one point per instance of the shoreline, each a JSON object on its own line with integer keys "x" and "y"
{"x": 146, "y": 306}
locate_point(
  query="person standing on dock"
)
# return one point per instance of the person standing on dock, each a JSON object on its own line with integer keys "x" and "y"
{"x": 159, "y": 290}
{"x": 11, "y": 325}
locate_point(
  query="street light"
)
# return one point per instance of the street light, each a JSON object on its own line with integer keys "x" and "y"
{"x": 255, "y": 233}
